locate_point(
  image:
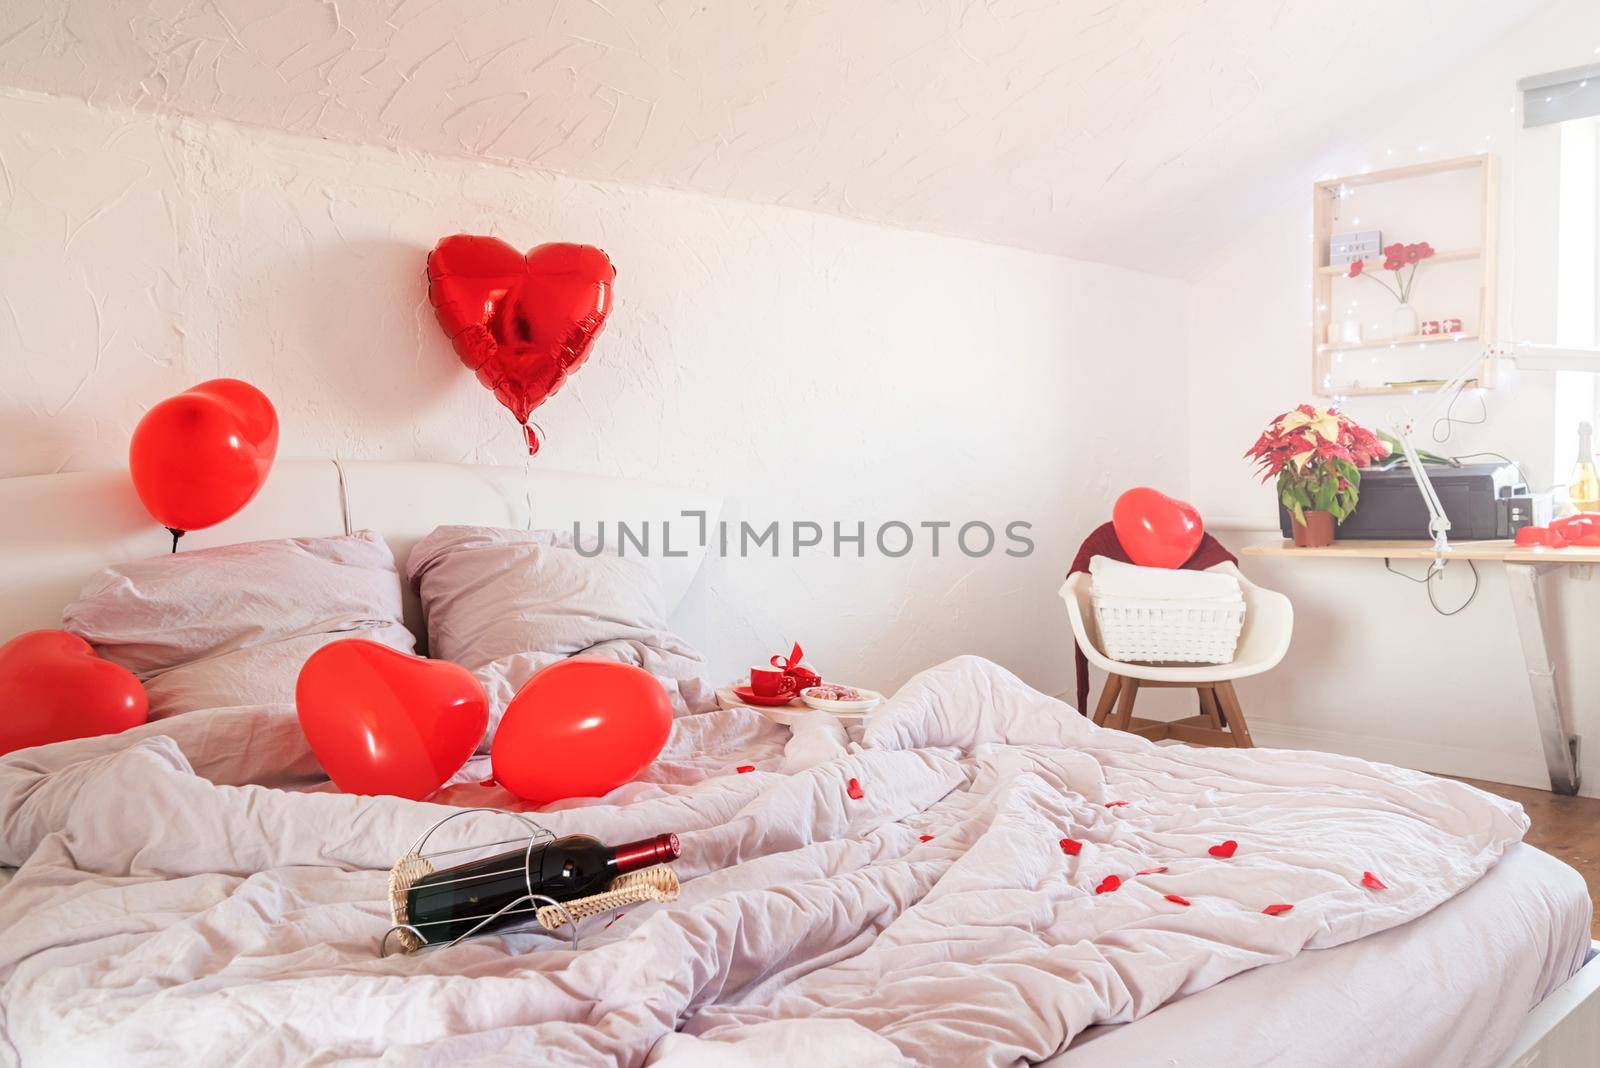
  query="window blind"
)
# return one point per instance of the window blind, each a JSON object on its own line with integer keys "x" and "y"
{"x": 1573, "y": 93}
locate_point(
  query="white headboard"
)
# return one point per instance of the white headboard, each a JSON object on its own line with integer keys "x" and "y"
{"x": 57, "y": 530}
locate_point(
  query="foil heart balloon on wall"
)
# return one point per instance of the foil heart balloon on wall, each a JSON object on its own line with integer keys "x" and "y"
{"x": 199, "y": 457}
{"x": 523, "y": 323}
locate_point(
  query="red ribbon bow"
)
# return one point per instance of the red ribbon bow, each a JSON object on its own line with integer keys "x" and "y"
{"x": 791, "y": 666}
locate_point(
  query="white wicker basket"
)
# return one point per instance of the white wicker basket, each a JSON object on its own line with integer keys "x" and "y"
{"x": 1161, "y": 632}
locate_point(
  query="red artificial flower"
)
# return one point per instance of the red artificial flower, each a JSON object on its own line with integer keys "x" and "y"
{"x": 1355, "y": 268}
{"x": 1394, "y": 263}
{"x": 1395, "y": 251}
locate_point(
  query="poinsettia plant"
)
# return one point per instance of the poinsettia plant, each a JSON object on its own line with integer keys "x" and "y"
{"x": 1396, "y": 258}
{"x": 1316, "y": 455}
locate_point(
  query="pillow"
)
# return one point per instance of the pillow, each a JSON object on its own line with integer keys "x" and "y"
{"x": 505, "y": 603}
{"x": 232, "y": 625}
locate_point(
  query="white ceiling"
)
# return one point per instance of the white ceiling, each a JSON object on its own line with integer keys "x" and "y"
{"x": 1133, "y": 132}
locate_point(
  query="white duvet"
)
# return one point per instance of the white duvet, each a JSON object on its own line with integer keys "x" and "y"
{"x": 160, "y": 919}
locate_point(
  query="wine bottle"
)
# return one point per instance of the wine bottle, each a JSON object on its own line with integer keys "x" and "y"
{"x": 1584, "y": 485}
{"x": 451, "y": 902}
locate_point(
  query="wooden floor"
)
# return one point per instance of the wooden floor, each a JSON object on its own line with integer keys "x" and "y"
{"x": 1564, "y": 827}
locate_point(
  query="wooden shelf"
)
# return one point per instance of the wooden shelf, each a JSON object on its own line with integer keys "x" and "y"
{"x": 1384, "y": 391}
{"x": 1506, "y": 551}
{"x": 1466, "y": 217}
{"x": 1392, "y": 342}
{"x": 1454, "y": 255}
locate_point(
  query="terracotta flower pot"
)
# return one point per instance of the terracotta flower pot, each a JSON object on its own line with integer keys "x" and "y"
{"x": 1316, "y": 532}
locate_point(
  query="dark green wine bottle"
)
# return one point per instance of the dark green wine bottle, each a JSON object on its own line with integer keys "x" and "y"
{"x": 491, "y": 894}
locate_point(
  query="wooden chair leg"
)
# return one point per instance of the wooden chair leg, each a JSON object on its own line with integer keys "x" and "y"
{"x": 1235, "y": 715}
{"x": 1208, "y": 705}
{"x": 1125, "y": 695}
{"x": 1108, "y": 698}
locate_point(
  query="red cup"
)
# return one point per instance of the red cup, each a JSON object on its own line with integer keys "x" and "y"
{"x": 771, "y": 682}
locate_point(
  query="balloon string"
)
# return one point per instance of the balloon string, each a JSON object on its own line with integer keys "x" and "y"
{"x": 176, "y": 534}
{"x": 527, "y": 486}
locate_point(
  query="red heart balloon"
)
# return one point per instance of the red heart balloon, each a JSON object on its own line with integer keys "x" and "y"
{"x": 383, "y": 722}
{"x": 523, "y": 323}
{"x": 199, "y": 457}
{"x": 1155, "y": 530}
{"x": 53, "y": 687}
{"x": 580, "y": 728}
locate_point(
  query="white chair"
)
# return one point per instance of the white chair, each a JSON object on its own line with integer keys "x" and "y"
{"x": 1268, "y": 622}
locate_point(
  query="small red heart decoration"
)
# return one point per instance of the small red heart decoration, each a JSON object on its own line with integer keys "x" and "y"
{"x": 1152, "y": 871}
{"x": 1372, "y": 882}
{"x": 1277, "y": 910}
{"x": 1108, "y": 884}
{"x": 523, "y": 323}
{"x": 54, "y": 687}
{"x": 1071, "y": 846}
{"x": 745, "y": 769}
{"x": 1115, "y": 804}
{"x": 925, "y": 838}
{"x": 383, "y": 722}
{"x": 854, "y": 789}
{"x": 1176, "y": 900}
{"x": 1156, "y": 530}
{"x": 1225, "y": 850}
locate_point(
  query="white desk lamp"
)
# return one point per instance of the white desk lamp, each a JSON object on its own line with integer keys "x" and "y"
{"x": 1528, "y": 357}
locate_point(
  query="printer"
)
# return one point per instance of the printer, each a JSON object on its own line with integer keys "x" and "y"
{"x": 1483, "y": 502}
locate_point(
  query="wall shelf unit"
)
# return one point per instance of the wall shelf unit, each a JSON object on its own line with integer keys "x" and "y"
{"x": 1454, "y": 205}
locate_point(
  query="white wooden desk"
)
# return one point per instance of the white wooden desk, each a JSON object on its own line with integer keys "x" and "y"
{"x": 1523, "y": 568}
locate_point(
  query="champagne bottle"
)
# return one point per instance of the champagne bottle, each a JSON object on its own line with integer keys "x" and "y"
{"x": 453, "y": 901}
{"x": 1584, "y": 485}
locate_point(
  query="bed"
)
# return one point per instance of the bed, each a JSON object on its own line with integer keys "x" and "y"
{"x": 1451, "y": 968}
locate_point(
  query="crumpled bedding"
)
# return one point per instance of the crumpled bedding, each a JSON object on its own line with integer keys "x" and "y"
{"x": 898, "y": 894}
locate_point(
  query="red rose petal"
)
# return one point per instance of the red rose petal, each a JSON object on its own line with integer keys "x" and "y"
{"x": 1152, "y": 871}
{"x": 1108, "y": 884}
{"x": 1225, "y": 850}
{"x": 925, "y": 838}
{"x": 1371, "y": 881}
{"x": 1176, "y": 900}
{"x": 1277, "y": 910}
{"x": 744, "y": 769}
{"x": 1071, "y": 846}
{"x": 1115, "y": 804}
{"x": 854, "y": 789}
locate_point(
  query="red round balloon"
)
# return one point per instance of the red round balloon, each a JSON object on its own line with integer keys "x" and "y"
{"x": 523, "y": 323}
{"x": 1156, "y": 530}
{"x": 199, "y": 457}
{"x": 580, "y": 728}
{"x": 383, "y": 722}
{"x": 53, "y": 686}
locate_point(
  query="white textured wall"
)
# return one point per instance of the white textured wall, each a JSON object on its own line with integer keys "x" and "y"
{"x": 1373, "y": 670}
{"x": 805, "y": 366}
